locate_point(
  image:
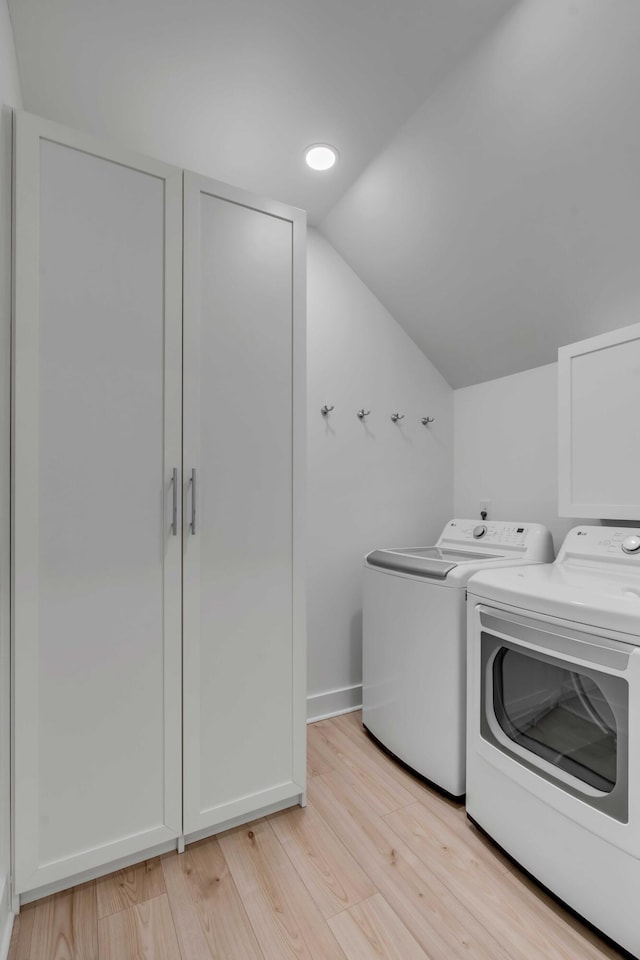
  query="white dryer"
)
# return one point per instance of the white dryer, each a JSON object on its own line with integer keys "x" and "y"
{"x": 414, "y": 640}
{"x": 553, "y": 761}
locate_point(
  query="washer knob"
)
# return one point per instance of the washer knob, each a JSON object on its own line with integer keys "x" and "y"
{"x": 631, "y": 545}
{"x": 480, "y": 531}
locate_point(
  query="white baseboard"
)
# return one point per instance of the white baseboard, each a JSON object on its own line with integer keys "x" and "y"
{"x": 6, "y": 919}
{"x": 331, "y": 703}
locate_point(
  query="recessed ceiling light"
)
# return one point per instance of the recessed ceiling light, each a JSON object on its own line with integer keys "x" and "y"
{"x": 320, "y": 156}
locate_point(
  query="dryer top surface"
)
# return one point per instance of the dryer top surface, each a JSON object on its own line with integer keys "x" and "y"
{"x": 592, "y": 582}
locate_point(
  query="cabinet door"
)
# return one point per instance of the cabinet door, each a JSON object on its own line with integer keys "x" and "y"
{"x": 599, "y": 400}
{"x": 243, "y": 408}
{"x": 97, "y": 567}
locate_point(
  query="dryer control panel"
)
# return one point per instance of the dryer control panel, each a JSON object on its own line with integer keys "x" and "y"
{"x": 608, "y": 544}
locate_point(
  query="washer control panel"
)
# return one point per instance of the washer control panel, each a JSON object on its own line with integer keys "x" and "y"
{"x": 615, "y": 544}
{"x": 499, "y": 539}
{"x": 497, "y": 532}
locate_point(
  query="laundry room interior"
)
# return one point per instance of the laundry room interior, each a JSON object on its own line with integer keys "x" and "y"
{"x": 224, "y": 751}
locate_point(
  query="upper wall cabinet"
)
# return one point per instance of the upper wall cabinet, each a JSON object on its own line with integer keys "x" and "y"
{"x": 599, "y": 404}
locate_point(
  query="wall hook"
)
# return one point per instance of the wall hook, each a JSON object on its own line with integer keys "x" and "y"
{"x": 325, "y": 411}
{"x": 397, "y": 416}
{"x": 363, "y": 413}
{"x": 427, "y": 420}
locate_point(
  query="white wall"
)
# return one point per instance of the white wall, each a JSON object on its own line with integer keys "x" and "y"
{"x": 9, "y": 97}
{"x": 371, "y": 483}
{"x": 506, "y": 449}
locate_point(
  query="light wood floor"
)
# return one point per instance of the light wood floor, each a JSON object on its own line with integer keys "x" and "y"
{"x": 377, "y": 867}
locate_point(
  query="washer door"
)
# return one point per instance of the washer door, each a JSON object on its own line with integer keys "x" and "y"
{"x": 559, "y": 706}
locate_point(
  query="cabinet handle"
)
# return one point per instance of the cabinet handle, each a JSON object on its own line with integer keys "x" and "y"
{"x": 193, "y": 501}
{"x": 174, "y": 509}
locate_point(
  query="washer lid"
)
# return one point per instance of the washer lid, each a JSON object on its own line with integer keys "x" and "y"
{"x": 599, "y": 595}
{"x": 433, "y": 563}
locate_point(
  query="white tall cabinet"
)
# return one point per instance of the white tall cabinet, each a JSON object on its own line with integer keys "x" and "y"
{"x": 157, "y": 498}
{"x": 243, "y": 615}
{"x": 96, "y": 570}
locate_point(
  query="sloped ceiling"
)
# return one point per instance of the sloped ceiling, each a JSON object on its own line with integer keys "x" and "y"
{"x": 503, "y": 219}
{"x": 236, "y": 89}
{"x": 488, "y": 186}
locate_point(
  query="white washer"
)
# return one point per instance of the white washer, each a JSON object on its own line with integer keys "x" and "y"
{"x": 414, "y": 640}
{"x": 553, "y": 757}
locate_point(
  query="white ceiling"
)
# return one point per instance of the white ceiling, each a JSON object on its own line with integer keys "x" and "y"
{"x": 237, "y": 88}
{"x": 503, "y": 220}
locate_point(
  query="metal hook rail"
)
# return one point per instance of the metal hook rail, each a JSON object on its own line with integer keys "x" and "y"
{"x": 362, "y": 413}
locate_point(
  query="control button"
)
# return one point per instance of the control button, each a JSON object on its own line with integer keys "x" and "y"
{"x": 630, "y": 545}
{"x": 480, "y": 531}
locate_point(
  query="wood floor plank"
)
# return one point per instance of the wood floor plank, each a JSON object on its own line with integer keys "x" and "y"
{"x": 85, "y": 921}
{"x": 440, "y": 924}
{"x": 123, "y": 889}
{"x": 191, "y": 937}
{"x": 286, "y": 921}
{"x": 382, "y": 790}
{"x": 65, "y": 926}
{"x": 353, "y": 716}
{"x": 517, "y": 917}
{"x": 350, "y": 724}
{"x": 372, "y": 931}
{"x": 449, "y": 811}
{"x": 327, "y": 869}
{"x": 317, "y": 763}
{"x": 322, "y": 749}
{"x": 220, "y": 912}
{"x": 13, "y": 943}
{"x": 351, "y": 719}
{"x": 53, "y": 928}
{"x": 24, "y": 941}
{"x": 144, "y": 931}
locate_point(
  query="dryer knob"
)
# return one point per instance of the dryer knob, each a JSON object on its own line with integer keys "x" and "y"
{"x": 480, "y": 531}
{"x": 631, "y": 545}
